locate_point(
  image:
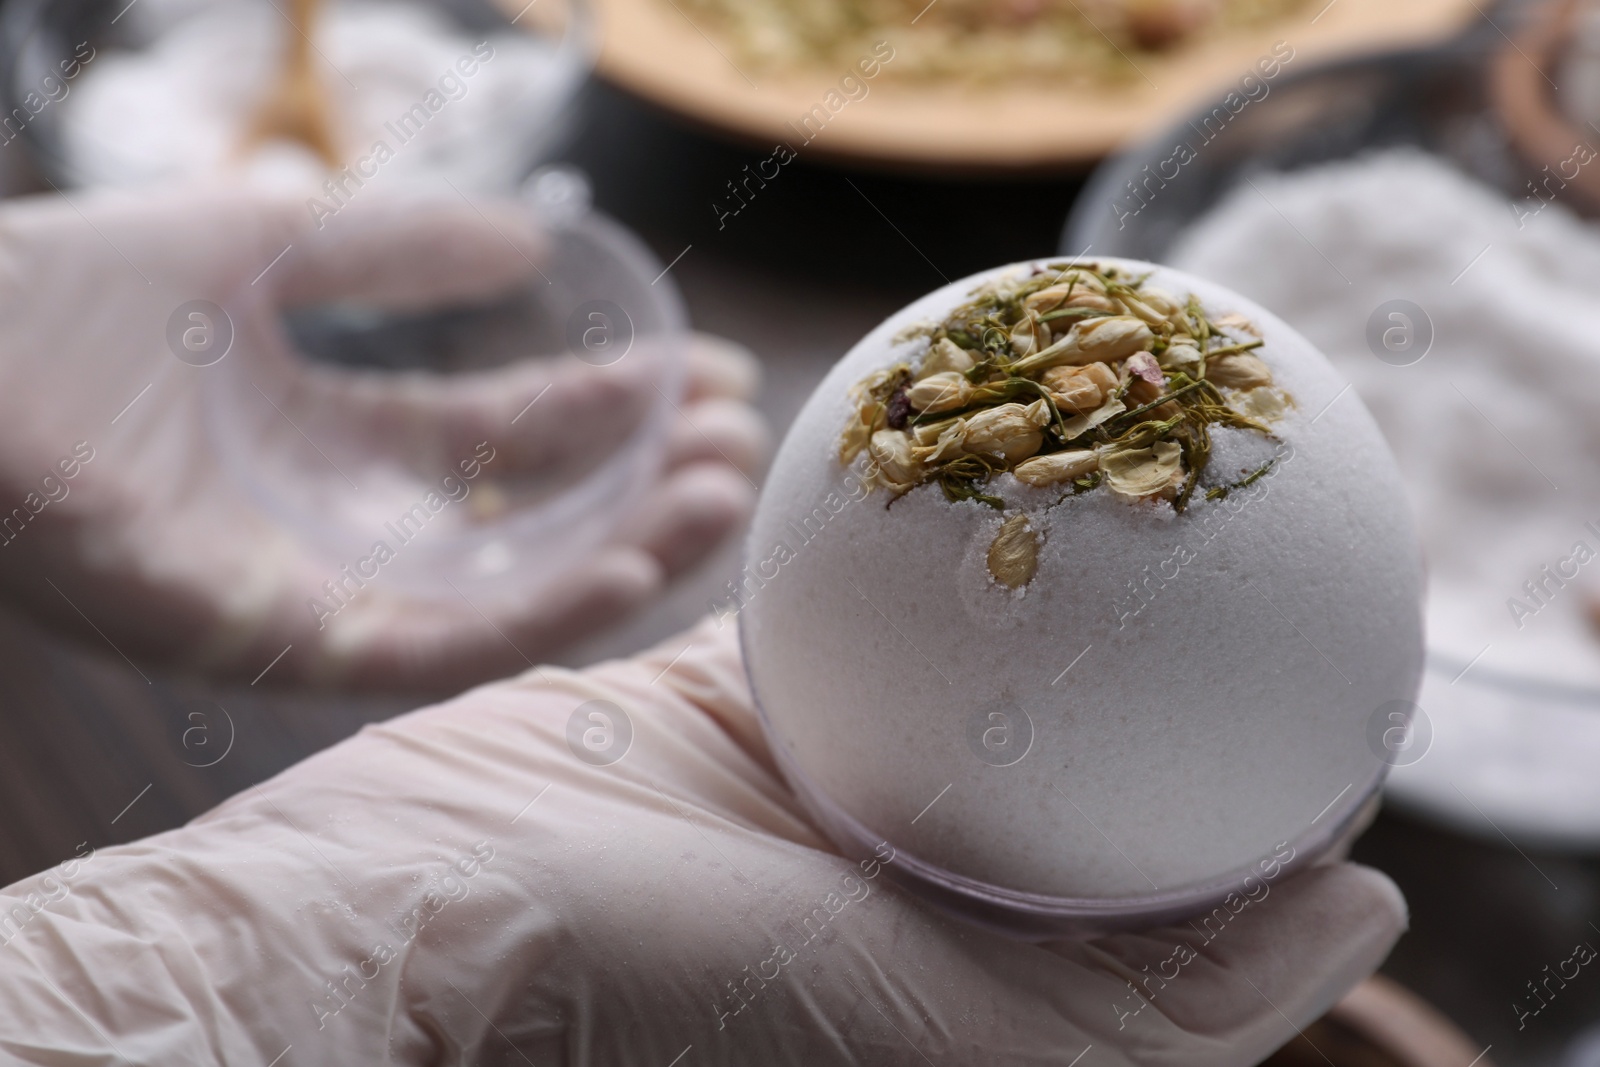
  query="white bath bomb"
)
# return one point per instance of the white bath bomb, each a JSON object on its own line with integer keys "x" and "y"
{"x": 1175, "y": 700}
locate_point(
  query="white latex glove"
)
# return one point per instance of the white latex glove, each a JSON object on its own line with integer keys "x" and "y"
{"x": 157, "y": 548}
{"x": 458, "y": 886}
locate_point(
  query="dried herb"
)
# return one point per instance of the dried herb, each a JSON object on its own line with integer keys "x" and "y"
{"x": 1159, "y": 446}
{"x": 1221, "y": 492}
{"x": 1072, "y": 313}
{"x": 898, "y": 409}
{"x": 1228, "y": 350}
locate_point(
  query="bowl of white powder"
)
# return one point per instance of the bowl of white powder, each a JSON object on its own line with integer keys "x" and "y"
{"x": 129, "y": 94}
{"x": 1083, "y": 590}
{"x": 1379, "y": 208}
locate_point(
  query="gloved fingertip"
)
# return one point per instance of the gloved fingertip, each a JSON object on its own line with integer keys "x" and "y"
{"x": 615, "y": 581}
{"x": 695, "y": 508}
{"x": 413, "y": 251}
{"x": 1384, "y": 904}
{"x": 407, "y": 646}
{"x": 1239, "y": 980}
{"x": 723, "y": 429}
{"x": 720, "y": 367}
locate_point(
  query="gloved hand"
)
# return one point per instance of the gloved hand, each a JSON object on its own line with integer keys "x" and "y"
{"x": 508, "y": 879}
{"x": 150, "y": 546}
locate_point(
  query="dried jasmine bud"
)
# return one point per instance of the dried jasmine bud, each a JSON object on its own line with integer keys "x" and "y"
{"x": 938, "y": 442}
{"x": 1237, "y": 322}
{"x": 945, "y": 355}
{"x": 1079, "y": 389}
{"x": 1057, "y": 467}
{"x": 1264, "y": 403}
{"x": 1144, "y": 365}
{"x": 854, "y": 439}
{"x": 1182, "y": 354}
{"x": 1077, "y": 375}
{"x": 1011, "y": 432}
{"x": 1238, "y": 370}
{"x": 869, "y": 416}
{"x": 1024, "y": 337}
{"x": 1070, "y": 295}
{"x": 1014, "y": 553}
{"x": 1101, "y": 340}
{"x": 1141, "y": 473}
{"x": 1082, "y": 424}
{"x": 898, "y": 470}
{"x": 945, "y": 391}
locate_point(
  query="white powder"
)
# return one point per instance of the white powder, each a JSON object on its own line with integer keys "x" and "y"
{"x": 179, "y": 107}
{"x": 1182, "y": 747}
{"x": 1497, "y": 433}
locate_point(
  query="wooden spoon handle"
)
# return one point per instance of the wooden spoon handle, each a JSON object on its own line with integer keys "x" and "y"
{"x": 303, "y": 13}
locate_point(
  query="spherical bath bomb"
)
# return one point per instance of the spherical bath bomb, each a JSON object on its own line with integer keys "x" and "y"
{"x": 1084, "y": 585}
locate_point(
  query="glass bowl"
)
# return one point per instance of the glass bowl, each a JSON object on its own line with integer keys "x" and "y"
{"x": 465, "y": 97}
{"x": 412, "y": 436}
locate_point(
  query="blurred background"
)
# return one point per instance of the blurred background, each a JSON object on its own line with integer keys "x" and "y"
{"x": 798, "y": 199}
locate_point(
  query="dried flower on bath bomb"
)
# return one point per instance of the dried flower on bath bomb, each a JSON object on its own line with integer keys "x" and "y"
{"x": 1011, "y": 431}
{"x": 1073, "y": 375}
{"x": 1080, "y": 389}
{"x": 1014, "y": 553}
{"x": 945, "y": 391}
{"x": 945, "y": 355}
{"x": 891, "y": 451}
{"x": 1143, "y": 472}
{"x": 1057, "y": 467}
{"x": 1239, "y": 370}
{"x": 1110, "y": 339}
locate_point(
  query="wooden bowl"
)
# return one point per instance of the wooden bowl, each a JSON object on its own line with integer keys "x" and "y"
{"x": 1380, "y": 1023}
{"x": 651, "y": 48}
{"x": 1521, "y": 91}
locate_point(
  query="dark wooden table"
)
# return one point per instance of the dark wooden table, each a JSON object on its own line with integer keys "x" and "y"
{"x": 91, "y": 752}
